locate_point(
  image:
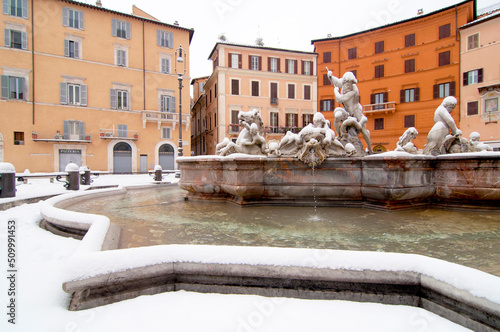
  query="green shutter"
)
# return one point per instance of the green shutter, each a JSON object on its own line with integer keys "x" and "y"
{"x": 158, "y": 37}
{"x": 5, "y": 7}
{"x": 173, "y": 104}
{"x": 24, "y": 40}
{"x": 25, "y": 9}
{"x": 7, "y": 37}
{"x": 83, "y": 94}
{"x": 64, "y": 93}
{"x": 81, "y": 20}
{"x": 65, "y": 15}
{"x": 113, "y": 27}
{"x": 81, "y": 130}
{"x": 77, "y": 49}
{"x": 66, "y": 47}
{"x": 66, "y": 129}
{"x": 128, "y": 30}
{"x": 5, "y": 87}
{"x": 170, "y": 40}
{"x": 113, "y": 98}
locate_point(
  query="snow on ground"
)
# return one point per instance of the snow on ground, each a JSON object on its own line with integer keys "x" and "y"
{"x": 42, "y": 304}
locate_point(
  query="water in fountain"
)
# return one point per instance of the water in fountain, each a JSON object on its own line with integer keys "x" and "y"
{"x": 162, "y": 216}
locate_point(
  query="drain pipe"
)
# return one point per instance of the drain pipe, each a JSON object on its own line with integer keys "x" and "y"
{"x": 33, "y": 63}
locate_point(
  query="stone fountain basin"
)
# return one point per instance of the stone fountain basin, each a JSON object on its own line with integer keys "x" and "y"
{"x": 393, "y": 180}
{"x": 96, "y": 276}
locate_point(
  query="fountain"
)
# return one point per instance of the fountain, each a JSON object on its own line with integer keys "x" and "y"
{"x": 312, "y": 168}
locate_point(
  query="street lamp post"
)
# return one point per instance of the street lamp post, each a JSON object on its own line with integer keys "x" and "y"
{"x": 180, "y": 55}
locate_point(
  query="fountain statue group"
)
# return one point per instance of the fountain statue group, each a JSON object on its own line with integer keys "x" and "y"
{"x": 317, "y": 141}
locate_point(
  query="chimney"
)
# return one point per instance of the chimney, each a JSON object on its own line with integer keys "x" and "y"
{"x": 98, "y": 3}
{"x": 420, "y": 11}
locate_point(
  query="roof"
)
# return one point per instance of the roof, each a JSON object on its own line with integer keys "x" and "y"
{"x": 199, "y": 78}
{"x": 258, "y": 47}
{"x": 191, "y": 31}
{"x": 483, "y": 18}
{"x": 403, "y": 21}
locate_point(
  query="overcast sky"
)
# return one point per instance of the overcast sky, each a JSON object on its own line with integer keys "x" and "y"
{"x": 279, "y": 23}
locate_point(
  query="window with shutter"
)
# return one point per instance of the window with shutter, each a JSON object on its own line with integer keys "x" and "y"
{"x": 235, "y": 87}
{"x": 13, "y": 87}
{"x": 274, "y": 93}
{"x": 444, "y": 58}
{"x": 379, "y": 47}
{"x": 326, "y": 81}
{"x": 379, "y": 124}
{"x": 73, "y": 18}
{"x": 352, "y": 53}
{"x": 472, "y": 108}
{"x": 255, "y": 88}
{"x": 306, "y": 68}
{"x": 409, "y": 121}
{"x": 410, "y": 40}
{"x": 307, "y": 92}
{"x": 17, "y": 8}
{"x": 234, "y": 60}
{"x": 379, "y": 71}
{"x": 410, "y": 66}
{"x": 473, "y": 41}
{"x": 444, "y": 31}
{"x": 291, "y": 91}
{"x": 164, "y": 39}
{"x": 327, "y": 57}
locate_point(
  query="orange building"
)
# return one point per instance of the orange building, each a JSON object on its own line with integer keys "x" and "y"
{"x": 84, "y": 84}
{"x": 199, "y": 116}
{"x": 480, "y": 88}
{"x": 281, "y": 84}
{"x": 404, "y": 71}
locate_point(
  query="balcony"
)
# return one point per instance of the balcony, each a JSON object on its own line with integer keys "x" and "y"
{"x": 389, "y": 107}
{"x": 233, "y": 128}
{"x": 118, "y": 134}
{"x": 60, "y": 138}
{"x": 162, "y": 118}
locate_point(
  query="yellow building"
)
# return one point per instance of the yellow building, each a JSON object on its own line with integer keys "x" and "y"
{"x": 480, "y": 88}
{"x": 281, "y": 84}
{"x": 84, "y": 84}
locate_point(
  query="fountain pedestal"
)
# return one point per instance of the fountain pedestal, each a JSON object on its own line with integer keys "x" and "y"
{"x": 387, "y": 181}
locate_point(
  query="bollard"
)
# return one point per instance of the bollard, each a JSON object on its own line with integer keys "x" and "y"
{"x": 73, "y": 177}
{"x": 158, "y": 173}
{"x": 85, "y": 178}
{"x": 7, "y": 180}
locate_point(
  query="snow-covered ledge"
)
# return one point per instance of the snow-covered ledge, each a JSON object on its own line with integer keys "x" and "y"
{"x": 463, "y": 295}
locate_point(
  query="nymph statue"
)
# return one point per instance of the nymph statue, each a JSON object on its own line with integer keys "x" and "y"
{"x": 443, "y": 124}
{"x": 349, "y": 97}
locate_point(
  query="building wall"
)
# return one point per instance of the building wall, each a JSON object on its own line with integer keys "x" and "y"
{"x": 222, "y": 102}
{"x": 427, "y": 72}
{"x": 46, "y": 66}
{"x": 486, "y": 89}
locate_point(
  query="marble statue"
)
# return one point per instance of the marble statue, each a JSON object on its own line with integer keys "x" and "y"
{"x": 405, "y": 141}
{"x": 443, "y": 124}
{"x": 349, "y": 97}
{"x": 475, "y": 145}
{"x": 250, "y": 139}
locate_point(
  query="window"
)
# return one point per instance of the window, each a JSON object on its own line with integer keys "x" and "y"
{"x": 120, "y": 99}
{"x": 254, "y": 62}
{"x": 167, "y": 105}
{"x": 291, "y": 120}
{"x": 166, "y": 133}
{"x": 352, "y": 53}
{"x": 379, "y": 124}
{"x": 326, "y": 105}
{"x": 379, "y": 47}
{"x": 355, "y": 73}
{"x": 18, "y": 138}
{"x": 410, "y": 40}
{"x": 120, "y": 28}
{"x": 71, "y": 48}
{"x": 444, "y": 58}
{"x": 73, "y": 130}
{"x": 274, "y": 117}
{"x": 73, "y": 18}
{"x": 291, "y": 91}
{"x": 255, "y": 88}
{"x": 327, "y": 57}
{"x": 165, "y": 67}
{"x": 291, "y": 67}
{"x": 379, "y": 71}
{"x": 306, "y": 119}
{"x": 274, "y": 93}
{"x": 473, "y": 41}
{"x": 444, "y": 31}
{"x": 73, "y": 94}
{"x": 473, "y": 77}
{"x": 444, "y": 90}
{"x": 235, "y": 87}
{"x": 472, "y": 108}
{"x": 378, "y": 100}
{"x": 410, "y": 95}
{"x": 307, "y": 92}
{"x": 16, "y": 39}
{"x": 121, "y": 58}
{"x": 326, "y": 81}
{"x": 17, "y": 8}
{"x": 235, "y": 60}
{"x": 410, "y": 66}
{"x": 273, "y": 64}
{"x": 13, "y": 87}
{"x": 409, "y": 121}
{"x": 164, "y": 39}
{"x": 306, "y": 67}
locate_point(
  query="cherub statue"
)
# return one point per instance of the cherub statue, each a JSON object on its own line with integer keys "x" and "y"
{"x": 405, "y": 141}
{"x": 475, "y": 145}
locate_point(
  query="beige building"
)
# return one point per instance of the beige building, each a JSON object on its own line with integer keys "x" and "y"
{"x": 84, "y": 84}
{"x": 480, "y": 88}
{"x": 281, "y": 84}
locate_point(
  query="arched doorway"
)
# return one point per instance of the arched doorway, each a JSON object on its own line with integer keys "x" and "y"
{"x": 379, "y": 149}
{"x": 122, "y": 158}
{"x": 166, "y": 157}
